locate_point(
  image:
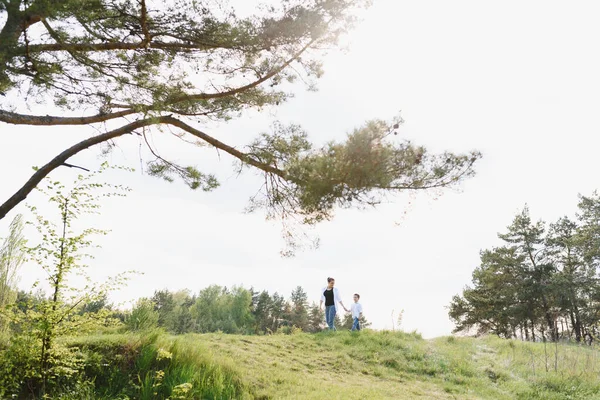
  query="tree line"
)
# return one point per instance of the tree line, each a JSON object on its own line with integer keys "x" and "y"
{"x": 541, "y": 284}
{"x": 235, "y": 310}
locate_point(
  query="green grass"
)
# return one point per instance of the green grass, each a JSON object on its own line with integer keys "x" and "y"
{"x": 341, "y": 365}
{"x": 153, "y": 365}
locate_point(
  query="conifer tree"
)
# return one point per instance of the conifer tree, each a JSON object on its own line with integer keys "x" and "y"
{"x": 150, "y": 67}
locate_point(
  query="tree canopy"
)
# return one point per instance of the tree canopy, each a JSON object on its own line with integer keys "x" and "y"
{"x": 150, "y": 67}
{"x": 543, "y": 278}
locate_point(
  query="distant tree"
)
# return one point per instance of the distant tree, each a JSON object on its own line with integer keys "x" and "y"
{"x": 540, "y": 284}
{"x": 206, "y": 310}
{"x": 496, "y": 303}
{"x": 29, "y": 300}
{"x": 181, "y": 320}
{"x": 219, "y": 309}
{"x": 574, "y": 282}
{"x": 511, "y": 288}
{"x": 143, "y": 316}
{"x": 164, "y": 304}
{"x": 299, "y": 308}
{"x": 337, "y": 321}
{"x": 241, "y": 309}
{"x": 263, "y": 317}
{"x": 347, "y": 321}
{"x": 528, "y": 240}
{"x": 316, "y": 318}
{"x": 255, "y": 296}
{"x": 96, "y": 305}
{"x": 12, "y": 256}
{"x": 589, "y": 222}
{"x": 286, "y": 317}
{"x": 587, "y": 281}
{"x": 278, "y": 312}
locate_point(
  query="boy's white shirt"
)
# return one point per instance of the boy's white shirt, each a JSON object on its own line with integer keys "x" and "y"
{"x": 336, "y": 297}
{"x": 356, "y": 309}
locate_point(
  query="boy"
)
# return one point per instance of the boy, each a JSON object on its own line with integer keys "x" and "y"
{"x": 356, "y": 310}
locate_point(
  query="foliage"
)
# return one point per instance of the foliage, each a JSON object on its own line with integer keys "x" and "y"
{"x": 348, "y": 321}
{"x": 316, "y": 319}
{"x": 143, "y": 316}
{"x": 542, "y": 284}
{"x": 12, "y": 256}
{"x": 299, "y": 309}
{"x": 39, "y": 364}
{"x": 219, "y": 309}
{"x": 182, "y": 65}
{"x": 235, "y": 310}
{"x": 358, "y": 171}
{"x": 153, "y": 366}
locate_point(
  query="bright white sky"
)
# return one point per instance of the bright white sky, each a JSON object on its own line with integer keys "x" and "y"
{"x": 516, "y": 80}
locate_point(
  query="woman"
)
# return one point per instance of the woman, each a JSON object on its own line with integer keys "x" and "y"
{"x": 331, "y": 297}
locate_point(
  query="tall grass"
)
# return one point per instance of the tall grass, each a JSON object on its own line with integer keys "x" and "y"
{"x": 154, "y": 366}
{"x": 340, "y": 365}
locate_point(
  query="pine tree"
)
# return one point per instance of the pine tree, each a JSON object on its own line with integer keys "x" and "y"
{"x": 316, "y": 318}
{"x": 528, "y": 239}
{"x": 145, "y": 65}
{"x": 164, "y": 304}
{"x": 299, "y": 309}
{"x": 496, "y": 303}
{"x": 263, "y": 312}
{"x": 348, "y": 321}
{"x": 278, "y": 312}
{"x": 540, "y": 284}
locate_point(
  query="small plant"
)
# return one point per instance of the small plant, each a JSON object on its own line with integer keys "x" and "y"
{"x": 183, "y": 391}
{"x": 397, "y": 321}
{"x": 39, "y": 361}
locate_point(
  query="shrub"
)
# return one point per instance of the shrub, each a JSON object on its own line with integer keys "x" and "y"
{"x": 143, "y": 317}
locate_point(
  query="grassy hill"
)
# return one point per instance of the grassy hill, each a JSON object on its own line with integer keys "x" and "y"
{"x": 341, "y": 365}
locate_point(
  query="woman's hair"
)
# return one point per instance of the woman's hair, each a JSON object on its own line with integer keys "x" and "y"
{"x": 330, "y": 279}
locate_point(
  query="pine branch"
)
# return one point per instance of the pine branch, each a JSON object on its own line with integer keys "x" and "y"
{"x": 60, "y": 159}
{"x": 23, "y": 119}
{"x": 226, "y": 148}
{"x": 241, "y": 89}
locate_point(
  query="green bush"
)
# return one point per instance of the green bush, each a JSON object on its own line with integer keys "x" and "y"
{"x": 21, "y": 374}
{"x": 156, "y": 366}
{"x": 142, "y": 317}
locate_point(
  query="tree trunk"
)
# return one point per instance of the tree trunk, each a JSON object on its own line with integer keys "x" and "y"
{"x": 521, "y": 331}
{"x": 576, "y": 324}
{"x": 550, "y": 322}
{"x": 51, "y": 319}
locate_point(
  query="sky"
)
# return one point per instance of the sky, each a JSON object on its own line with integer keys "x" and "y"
{"x": 516, "y": 80}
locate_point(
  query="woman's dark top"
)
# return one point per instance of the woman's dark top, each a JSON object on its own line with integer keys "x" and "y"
{"x": 328, "y": 297}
